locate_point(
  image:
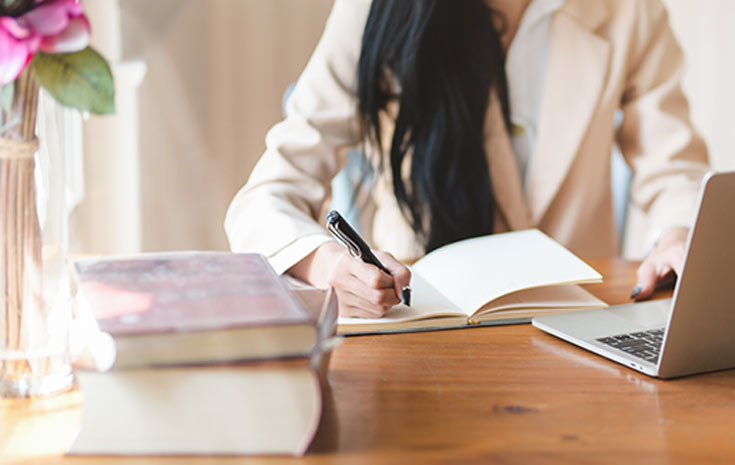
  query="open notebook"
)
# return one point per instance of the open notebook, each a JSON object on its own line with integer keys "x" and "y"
{"x": 496, "y": 279}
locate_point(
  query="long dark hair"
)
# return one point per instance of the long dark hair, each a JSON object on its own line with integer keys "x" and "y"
{"x": 446, "y": 57}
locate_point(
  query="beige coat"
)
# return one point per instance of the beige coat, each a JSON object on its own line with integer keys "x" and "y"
{"x": 604, "y": 56}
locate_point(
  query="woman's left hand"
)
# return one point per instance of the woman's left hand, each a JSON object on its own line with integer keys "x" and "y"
{"x": 666, "y": 258}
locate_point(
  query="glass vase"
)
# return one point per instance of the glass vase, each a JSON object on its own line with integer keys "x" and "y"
{"x": 35, "y": 310}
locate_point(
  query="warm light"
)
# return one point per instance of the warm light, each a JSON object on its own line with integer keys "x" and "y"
{"x": 39, "y": 427}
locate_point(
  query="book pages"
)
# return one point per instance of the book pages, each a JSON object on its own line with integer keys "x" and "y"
{"x": 473, "y": 272}
{"x": 427, "y": 302}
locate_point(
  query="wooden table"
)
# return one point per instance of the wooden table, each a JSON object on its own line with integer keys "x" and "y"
{"x": 488, "y": 395}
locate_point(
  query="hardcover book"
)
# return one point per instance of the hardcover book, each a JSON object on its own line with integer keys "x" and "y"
{"x": 194, "y": 307}
{"x": 245, "y": 408}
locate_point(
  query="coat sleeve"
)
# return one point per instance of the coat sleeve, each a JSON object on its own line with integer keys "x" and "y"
{"x": 275, "y": 213}
{"x": 667, "y": 156}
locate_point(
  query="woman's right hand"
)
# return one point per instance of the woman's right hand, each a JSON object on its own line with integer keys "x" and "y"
{"x": 362, "y": 289}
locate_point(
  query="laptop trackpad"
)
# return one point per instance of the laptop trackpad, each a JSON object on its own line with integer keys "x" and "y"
{"x": 619, "y": 319}
{"x": 651, "y": 314}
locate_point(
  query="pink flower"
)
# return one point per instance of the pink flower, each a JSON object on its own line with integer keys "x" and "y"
{"x": 62, "y": 25}
{"x": 17, "y": 46}
{"x": 53, "y": 26}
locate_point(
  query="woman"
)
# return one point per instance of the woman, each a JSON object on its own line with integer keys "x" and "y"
{"x": 480, "y": 117}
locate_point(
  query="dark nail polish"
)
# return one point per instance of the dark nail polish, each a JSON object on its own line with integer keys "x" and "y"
{"x": 636, "y": 290}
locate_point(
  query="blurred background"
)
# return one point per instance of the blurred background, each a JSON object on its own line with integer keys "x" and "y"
{"x": 199, "y": 82}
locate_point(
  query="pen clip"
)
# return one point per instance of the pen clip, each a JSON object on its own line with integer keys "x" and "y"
{"x": 351, "y": 246}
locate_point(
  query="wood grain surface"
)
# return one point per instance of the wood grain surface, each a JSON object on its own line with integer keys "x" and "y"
{"x": 507, "y": 395}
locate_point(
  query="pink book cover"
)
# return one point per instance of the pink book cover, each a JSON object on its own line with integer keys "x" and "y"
{"x": 185, "y": 291}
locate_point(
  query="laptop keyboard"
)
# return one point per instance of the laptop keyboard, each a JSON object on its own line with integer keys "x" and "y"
{"x": 644, "y": 344}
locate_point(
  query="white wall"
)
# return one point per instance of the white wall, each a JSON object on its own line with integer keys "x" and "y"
{"x": 216, "y": 73}
{"x": 217, "y": 70}
{"x": 707, "y": 34}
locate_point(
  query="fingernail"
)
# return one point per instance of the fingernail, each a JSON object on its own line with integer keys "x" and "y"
{"x": 636, "y": 290}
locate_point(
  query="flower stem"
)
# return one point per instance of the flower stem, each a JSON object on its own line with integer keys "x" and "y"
{"x": 21, "y": 304}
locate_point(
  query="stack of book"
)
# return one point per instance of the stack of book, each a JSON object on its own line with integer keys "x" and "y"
{"x": 215, "y": 355}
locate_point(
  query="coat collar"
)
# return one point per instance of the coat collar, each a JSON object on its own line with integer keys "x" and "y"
{"x": 569, "y": 98}
{"x": 588, "y": 14}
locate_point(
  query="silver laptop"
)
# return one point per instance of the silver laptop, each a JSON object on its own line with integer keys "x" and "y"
{"x": 694, "y": 331}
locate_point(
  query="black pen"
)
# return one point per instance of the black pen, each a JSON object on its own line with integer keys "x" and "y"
{"x": 358, "y": 248}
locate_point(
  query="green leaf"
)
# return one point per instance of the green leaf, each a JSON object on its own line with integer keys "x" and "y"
{"x": 6, "y": 97}
{"x": 81, "y": 80}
